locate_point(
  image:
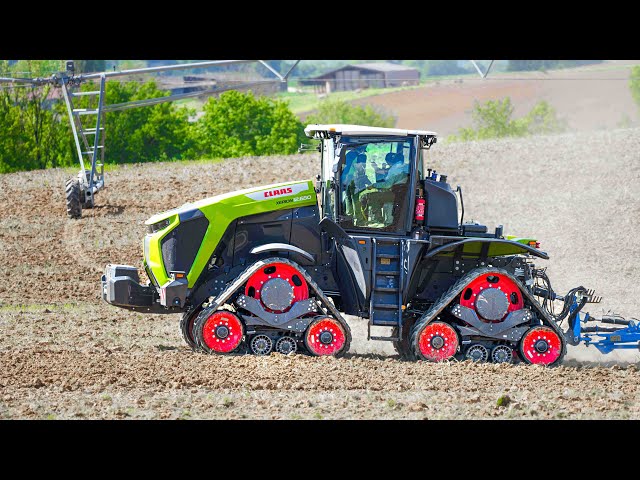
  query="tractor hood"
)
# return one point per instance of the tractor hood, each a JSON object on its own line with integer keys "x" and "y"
{"x": 219, "y": 212}
{"x": 273, "y": 197}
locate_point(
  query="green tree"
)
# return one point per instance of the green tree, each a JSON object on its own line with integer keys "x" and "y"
{"x": 493, "y": 120}
{"x": 87, "y": 66}
{"x": 31, "y": 133}
{"x": 337, "y": 111}
{"x": 634, "y": 84}
{"x": 531, "y": 65}
{"x": 238, "y": 124}
{"x": 142, "y": 134}
{"x": 542, "y": 119}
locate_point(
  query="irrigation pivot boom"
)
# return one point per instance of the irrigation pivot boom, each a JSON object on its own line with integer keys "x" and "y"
{"x": 89, "y": 136}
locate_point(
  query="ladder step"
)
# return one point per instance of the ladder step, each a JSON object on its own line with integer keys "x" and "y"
{"x": 85, "y": 111}
{"x": 387, "y": 255}
{"x": 92, "y": 131}
{"x": 388, "y": 339}
{"x": 82, "y": 94}
{"x": 384, "y": 323}
{"x": 89, "y": 152}
{"x": 391, "y": 273}
{"x": 386, "y": 306}
{"x": 386, "y": 289}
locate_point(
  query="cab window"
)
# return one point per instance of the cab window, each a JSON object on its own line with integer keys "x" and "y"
{"x": 374, "y": 184}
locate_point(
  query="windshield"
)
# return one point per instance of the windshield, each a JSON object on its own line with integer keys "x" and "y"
{"x": 374, "y": 181}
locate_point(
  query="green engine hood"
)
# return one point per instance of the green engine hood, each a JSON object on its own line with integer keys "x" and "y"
{"x": 221, "y": 210}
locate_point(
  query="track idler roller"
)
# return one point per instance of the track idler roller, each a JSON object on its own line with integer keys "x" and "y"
{"x": 261, "y": 345}
{"x": 501, "y": 354}
{"x": 477, "y": 353}
{"x": 221, "y": 332}
{"x": 286, "y": 345}
{"x": 326, "y": 336}
{"x": 541, "y": 346}
{"x": 436, "y": 342}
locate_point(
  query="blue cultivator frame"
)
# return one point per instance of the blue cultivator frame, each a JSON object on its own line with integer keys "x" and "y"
{"x": 625, "y": 336}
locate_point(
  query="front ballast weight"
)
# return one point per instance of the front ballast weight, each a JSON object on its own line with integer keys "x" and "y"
{"x": 274, "y": 305}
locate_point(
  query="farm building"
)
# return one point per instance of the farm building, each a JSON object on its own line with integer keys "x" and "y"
{"x": 364, "y": 75}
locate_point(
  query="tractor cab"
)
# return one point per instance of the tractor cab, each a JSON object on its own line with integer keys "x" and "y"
{"x": 372, "y": 200}
{"x": 372, "y": 177}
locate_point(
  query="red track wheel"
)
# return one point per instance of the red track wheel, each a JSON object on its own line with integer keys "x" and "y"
{"x": 325, "y": 336}
{"x": 437, "y": 341}
{"x": 541, "y": 346}
{"x": 493, "y": 296}
{"x": 277, "y": 286}
{"x": 222, "y": 332}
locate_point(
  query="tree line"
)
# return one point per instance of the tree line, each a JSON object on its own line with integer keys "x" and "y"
{"x": 36, "y": 133}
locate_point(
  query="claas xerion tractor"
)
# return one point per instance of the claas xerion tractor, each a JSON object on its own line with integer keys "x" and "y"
{"x": 379, "y": 235}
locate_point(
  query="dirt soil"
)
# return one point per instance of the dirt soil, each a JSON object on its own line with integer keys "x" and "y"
{"x": 66, "y": 354}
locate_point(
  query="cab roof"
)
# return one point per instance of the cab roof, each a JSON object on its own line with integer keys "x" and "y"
{"x": 343, "y": 129}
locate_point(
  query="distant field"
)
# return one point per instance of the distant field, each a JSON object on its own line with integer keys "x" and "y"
{"x": 589, "y": 98}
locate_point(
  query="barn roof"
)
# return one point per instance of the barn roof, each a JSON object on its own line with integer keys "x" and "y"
{"x": 375, "y": 67}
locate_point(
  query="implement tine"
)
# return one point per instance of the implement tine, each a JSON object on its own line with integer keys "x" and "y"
{"x": 592, "y": 297}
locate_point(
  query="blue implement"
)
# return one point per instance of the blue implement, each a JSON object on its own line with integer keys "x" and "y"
{"x": 626, "y": 335}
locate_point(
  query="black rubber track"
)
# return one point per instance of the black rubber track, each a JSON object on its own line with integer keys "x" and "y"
{"x": 403, "y": 346}
{"x": 234, "y": 286}
{"x": 186, "y": 327}
{"x": 459, "y": 286}
{"x": 72, "y": 194}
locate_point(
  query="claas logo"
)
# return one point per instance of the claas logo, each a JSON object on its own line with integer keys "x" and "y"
{"x": 280, "y": 191}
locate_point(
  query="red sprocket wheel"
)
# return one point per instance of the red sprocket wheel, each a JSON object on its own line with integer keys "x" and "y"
{"x": 222, "y": 332}
{"x": 325, "y": 336}
{"x": 274, "y": 275}
{"x": 437, "y": 341}
{"x": 541, "y": 346}
{"x": 512, "y": 295}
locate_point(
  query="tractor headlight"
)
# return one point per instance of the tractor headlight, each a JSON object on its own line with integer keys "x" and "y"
{"x": 155, "y": 227}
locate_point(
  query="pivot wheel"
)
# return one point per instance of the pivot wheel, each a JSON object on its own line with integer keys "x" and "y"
{"x": 72, "y": 194}
{"x": 325, "y": 336}
{"x": 222, "y": 332}
{"x": 278, "y": 286}
{"x": 541, "y": 346}
{"x": 436, "y": 342}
